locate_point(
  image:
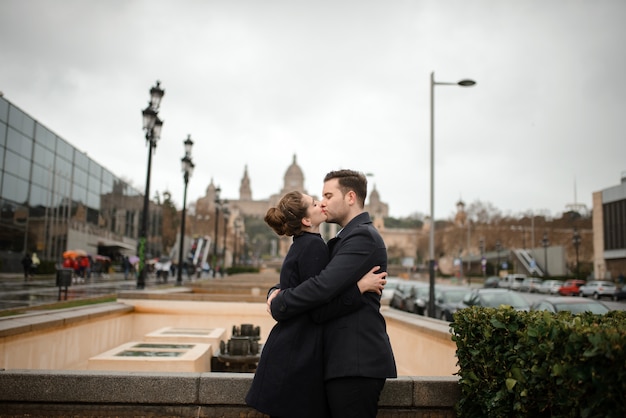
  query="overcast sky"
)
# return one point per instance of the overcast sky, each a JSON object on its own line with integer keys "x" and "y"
{"x": 341, "y": 84}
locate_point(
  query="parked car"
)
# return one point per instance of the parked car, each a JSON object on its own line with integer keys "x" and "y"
{"x": 512, "y": 281}
{"x": 531, "y": 284}
{"x": 419, "y": 301}
{"x": 401, "y": 293}
{"x": 494, "y": 298}
{"x": 392, "y": 284}
{"x": 571, "y": 287}
{"x": 598, "y": 289}
{"x": 550, "y": 287}
{"x": 571, "y": 304}
{"x": 620, "y": 294}
{"x": 493, "y": 281}
{"x": 448, "y": 301}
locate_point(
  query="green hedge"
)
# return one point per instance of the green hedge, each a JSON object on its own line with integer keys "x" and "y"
{"x": 539, "y": 364}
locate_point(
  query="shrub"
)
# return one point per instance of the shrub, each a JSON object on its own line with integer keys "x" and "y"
{"x": 539, "y": 364}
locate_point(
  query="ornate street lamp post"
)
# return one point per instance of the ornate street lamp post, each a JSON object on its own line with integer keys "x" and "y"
{"x": 545, "y": 243}
{"x": 187, "y": 167}
{"x": 431, "y": 265}
{"x": 576, "y": 242}
{"x": 152, "y": 125}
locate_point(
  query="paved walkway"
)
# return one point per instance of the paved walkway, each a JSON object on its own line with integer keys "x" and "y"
{"x": 16, "y": 293}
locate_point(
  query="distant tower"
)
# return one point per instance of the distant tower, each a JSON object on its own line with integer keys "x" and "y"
{"x": 579, "y": 208}
{"x": 460, "y": 219}
{"x": 245, "y": 192}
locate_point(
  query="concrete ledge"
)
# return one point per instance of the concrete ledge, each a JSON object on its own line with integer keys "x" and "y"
{"x": 27, "y": 390}
{"x": 37, "y": 321}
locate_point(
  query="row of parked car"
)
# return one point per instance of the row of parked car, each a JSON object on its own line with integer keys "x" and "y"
{"x": 574, "y": 287}
{"x": 414, "y": 296}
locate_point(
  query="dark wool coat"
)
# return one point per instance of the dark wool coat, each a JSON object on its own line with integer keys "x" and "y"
{"x": 289, "y": 380}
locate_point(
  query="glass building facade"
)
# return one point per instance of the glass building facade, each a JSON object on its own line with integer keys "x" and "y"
{"x": 53, "y": 197}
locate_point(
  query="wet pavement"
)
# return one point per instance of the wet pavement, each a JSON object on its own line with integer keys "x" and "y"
{"x": 16, "y": 293}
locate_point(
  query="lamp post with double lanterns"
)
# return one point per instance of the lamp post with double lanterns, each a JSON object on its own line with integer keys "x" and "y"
{"x": 187, "y": 167}
{"x": 576, "y": 242}
{"x": 431, "y": 264}
{"x": 152, "y": 125}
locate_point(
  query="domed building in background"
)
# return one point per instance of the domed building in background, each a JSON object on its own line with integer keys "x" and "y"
{"x": 293, "y": 179}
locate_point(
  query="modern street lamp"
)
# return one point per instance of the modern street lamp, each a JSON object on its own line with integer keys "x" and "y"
{"x": 431, "y": 267}
{"x": 576, "y": 242}
{"x": 545, "y": 243}
{"x": 187, "y": 167}
{"x": 152, "y": 125}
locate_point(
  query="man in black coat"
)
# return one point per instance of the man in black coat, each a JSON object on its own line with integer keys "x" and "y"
{"x": 357, "y": 353}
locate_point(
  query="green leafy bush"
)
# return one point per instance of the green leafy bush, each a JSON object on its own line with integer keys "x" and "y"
{"x": 539, "y": 364}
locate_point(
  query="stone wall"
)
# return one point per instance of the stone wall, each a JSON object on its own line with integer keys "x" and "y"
{"x": 50, "y": 393}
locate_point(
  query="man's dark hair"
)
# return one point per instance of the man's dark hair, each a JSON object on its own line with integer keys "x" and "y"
{"x": 350, "y": 180}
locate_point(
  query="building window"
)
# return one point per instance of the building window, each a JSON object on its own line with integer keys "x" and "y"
{"x": 21, "y": 121}
{"x": 614, "y": 215}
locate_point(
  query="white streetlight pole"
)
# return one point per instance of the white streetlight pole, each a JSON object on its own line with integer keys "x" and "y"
{"x": 431, "y": 246}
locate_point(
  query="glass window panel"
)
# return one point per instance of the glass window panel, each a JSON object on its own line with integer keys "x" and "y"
{"x": 3, "y": 133}
{"x": 94, "y": 184}
{"x": 17, "y": 165}
{"x": 43, "y": 156}
{"x": 80, "y": 177}
{"x": 45, "y": 137}
{"x": 93, "y": 200}
{"x": 42, "y": 176}
{"x": 2, "y": 157}
{"x": 63, "y": 167}
{"x": 14, "y": 188}
{"x": 4, "y": 110}
{"x": 64, "y": 149}
{"x": 81, "y": 160}
{"x": 92, "y": 216}
{"x": 38, "y": 196}
{"x": 62, "y": 186}
{"x": 79, "y": 194}
{"x": 19, "y": 143}
{"x": 94, "y": 168}
{"x": 107, "y": 178}
{"x": 21, "y": 121}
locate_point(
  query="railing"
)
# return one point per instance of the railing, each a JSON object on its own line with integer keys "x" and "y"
{"x": 529, "y": 263}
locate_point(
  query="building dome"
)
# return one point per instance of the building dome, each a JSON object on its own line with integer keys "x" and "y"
{"x": 294, "y": 178}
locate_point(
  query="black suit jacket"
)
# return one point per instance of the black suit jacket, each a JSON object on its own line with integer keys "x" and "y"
{"x": 355, "y": 344}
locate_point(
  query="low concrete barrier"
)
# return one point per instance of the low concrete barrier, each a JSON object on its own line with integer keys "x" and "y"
{"x": 53, "y": 393}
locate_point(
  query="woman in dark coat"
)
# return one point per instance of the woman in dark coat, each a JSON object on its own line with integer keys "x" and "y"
{"x": 289, "y": 380}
